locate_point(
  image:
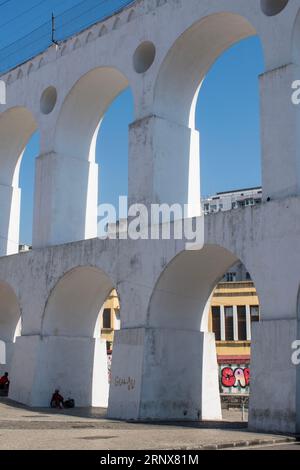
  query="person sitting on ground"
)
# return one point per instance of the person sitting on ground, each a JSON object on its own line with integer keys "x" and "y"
{"x": 4, "y": 382}
{"x": 57, "y": 400}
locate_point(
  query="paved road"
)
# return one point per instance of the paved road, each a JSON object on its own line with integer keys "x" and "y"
{"x": 24, "y": 428}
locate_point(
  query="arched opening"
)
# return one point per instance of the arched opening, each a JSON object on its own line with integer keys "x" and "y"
{"x": 110, "y": 322}
{"x": 83, "y": 110}
{"x": 183, "y": 96}
{"x": 17, "y": 125}
{"x": 200, "y": 324}
{"x": 112, "y": 151}
{"x": 78, "y": 137}
{"x": 189, "y": 61}
{"x": 74, "y": 348}
{"x": 10, "y": 325}
{"x": 27, "y": 185}
{"x": 228, "y": 118}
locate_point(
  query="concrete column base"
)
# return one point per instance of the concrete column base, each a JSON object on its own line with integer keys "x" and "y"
{"x": 164, "y": 374}
{"x": 77, "y": 366}
{"x": 274, "y": 400}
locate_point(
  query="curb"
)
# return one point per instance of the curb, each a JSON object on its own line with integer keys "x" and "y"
{"x": 249, "y": 443}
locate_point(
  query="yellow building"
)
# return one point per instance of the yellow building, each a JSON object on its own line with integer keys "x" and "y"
{"x": 110, "y": 319}
{"x": 234, "y": 307}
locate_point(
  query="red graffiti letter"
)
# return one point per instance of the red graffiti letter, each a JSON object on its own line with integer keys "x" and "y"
{"x": 247, "y": 375}
{"x": 228, "y": 378}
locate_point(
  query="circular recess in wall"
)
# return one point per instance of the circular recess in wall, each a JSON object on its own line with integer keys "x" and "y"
{"x": 144, "y": 57}
{"x": 48, "y": 100}
{"x": 273, "y": 7}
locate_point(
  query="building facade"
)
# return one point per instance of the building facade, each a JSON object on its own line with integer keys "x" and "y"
{"x": 234, "y": 308}
{"x": 226, "y": 201}
{"x": 110, "y": 320}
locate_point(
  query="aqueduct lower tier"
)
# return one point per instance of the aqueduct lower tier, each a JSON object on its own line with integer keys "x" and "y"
{"x": 162, "y": 50}
{"x": 164, "y": 360}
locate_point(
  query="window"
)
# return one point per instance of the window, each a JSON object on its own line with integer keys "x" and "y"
{"x": 248, "y": 277}
{"x": 254, "y": 312}
{"x": 231, "y": 277}
{"x": 229, "y": 336}
{"x": 106, "y": 319}
{"x": 216, "y": 322}
{"x": 242, "y": 323}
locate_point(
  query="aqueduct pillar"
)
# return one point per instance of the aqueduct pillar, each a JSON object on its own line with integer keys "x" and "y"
{"x": 65, "y": 92}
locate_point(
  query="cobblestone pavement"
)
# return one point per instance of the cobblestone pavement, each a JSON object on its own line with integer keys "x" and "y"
{"x": 24, "y": 428}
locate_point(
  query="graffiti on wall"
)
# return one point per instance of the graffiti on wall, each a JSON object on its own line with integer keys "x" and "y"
{"x": 109, "y": 361}
{"x": 235, "y": 377}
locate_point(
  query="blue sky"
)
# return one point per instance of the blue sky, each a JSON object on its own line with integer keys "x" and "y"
{"x": 227, "y": 113}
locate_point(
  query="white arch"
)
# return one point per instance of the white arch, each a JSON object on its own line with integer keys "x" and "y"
{"x": 83, "y": 110}
{"x": 74, "y": 356}
{"x": 180, "y": 350}
{"x": 181, "y": 294}
{"x": 75, "y": 302}
{"x": 16, "y": 127}
{"x": 189, "y": 60}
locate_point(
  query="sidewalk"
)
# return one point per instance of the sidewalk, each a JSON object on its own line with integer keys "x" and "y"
{"x": 23, "y": 428}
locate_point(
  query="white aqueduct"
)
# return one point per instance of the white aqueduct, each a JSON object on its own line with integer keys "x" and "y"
{"x": 162, "y": 50}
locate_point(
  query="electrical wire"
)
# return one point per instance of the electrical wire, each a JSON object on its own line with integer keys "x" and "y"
{"x": 48, "y": 24}
{"x": 71, "y": 8}
{"x": 22, "y": 14}
{"x": 24, "y": 37}
{"x": 83, "y": 13}
{"x": 27, "y": 45}
{"x": 3, "y": 3}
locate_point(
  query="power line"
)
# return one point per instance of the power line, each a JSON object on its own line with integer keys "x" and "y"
{"x": 24, "y": 37}
{"x": 32, "y": 20}
{"x": 22, "y": 14}
{"x": 83, "y": 13}
{"x": 27, "y": 45}
{"x": 71, "y": 8}
{"x": 3, "y": 3}
{"x": 101, "y": 3}
{"x": 18, "y": 46}
{"x": 64, "y": 24}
